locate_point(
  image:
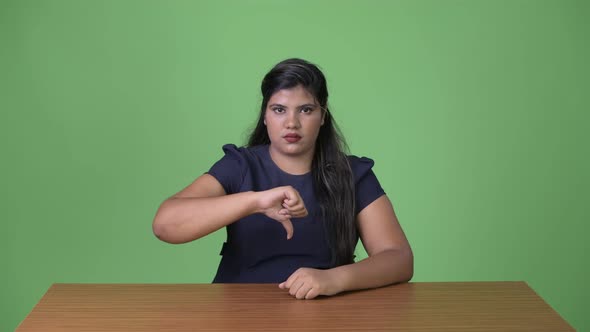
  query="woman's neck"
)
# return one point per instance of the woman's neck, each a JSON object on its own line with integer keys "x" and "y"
{"x": 292, "y": 164}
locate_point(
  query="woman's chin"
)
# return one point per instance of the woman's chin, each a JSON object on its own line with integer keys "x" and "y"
{"x": 293, "y": 150}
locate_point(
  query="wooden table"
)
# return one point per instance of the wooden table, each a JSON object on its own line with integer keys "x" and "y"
{"x": 471, "y": 306}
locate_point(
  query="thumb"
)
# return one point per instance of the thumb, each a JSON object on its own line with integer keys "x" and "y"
{"x": 288, "y": 225}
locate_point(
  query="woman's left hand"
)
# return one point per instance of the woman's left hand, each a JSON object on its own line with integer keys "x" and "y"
{"x": 307, "y": 283}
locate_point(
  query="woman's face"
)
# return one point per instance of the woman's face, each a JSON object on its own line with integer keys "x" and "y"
{"x": 293, "y": 120}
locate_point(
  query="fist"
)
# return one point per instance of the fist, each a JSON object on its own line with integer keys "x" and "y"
{"x": 307, "y": 283}
{"x": 282, "y": 204}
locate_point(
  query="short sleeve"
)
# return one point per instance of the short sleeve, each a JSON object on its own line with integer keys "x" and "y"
{"x": 230, "y": 169}
{"x": 367, "y": 187}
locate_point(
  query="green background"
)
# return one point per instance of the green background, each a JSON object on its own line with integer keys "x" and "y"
{"x": 475, "y": 112}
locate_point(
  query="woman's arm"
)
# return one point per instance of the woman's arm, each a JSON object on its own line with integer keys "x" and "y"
{"x": 390, "y": 258}
{"x": 203, "y": 207}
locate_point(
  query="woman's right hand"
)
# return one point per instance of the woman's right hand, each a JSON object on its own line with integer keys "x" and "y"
{"x": 282, "y": 204}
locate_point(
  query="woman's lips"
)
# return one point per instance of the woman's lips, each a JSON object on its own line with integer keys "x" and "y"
{"x": 292, "y": 138}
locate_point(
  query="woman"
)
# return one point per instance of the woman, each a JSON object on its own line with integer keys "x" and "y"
{"x": 293, "y": 177}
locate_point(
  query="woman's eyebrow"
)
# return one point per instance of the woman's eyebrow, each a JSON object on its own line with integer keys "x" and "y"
{"x": 277, "y": 105}
{"x": 307, "y": 105}
{"x": 300, "y": 106}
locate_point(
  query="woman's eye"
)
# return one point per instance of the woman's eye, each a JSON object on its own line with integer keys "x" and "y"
{"x": 278, "y": 110}
{"x": 306, "y": 110}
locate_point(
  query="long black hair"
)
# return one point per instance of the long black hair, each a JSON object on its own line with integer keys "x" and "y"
{"x": 332, "y": 177}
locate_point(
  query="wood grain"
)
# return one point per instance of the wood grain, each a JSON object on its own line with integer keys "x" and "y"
{"x": 471, "y": 306}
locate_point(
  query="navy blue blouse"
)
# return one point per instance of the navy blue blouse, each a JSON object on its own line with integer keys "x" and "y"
{"x": 257, "y": 249}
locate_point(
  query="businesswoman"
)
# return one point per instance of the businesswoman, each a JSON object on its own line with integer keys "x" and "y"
{"x": 293, "y": 203}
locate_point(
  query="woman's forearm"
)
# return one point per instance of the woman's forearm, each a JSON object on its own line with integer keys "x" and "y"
{"x": 184, "y": 219}
{"x": 387, "y": 267}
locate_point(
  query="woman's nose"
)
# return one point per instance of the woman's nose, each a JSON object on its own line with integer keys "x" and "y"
{"x": 292, "y": 120}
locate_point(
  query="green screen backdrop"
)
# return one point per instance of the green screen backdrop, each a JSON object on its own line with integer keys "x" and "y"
{"x": 475, "y": 112}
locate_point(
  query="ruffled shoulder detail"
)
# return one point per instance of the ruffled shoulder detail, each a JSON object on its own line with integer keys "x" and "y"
{"x": 231, "y": 150}
{"x": 361, "y": 166}
{"x": 231, "y": 168}
{"x": 367, "y": 187}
